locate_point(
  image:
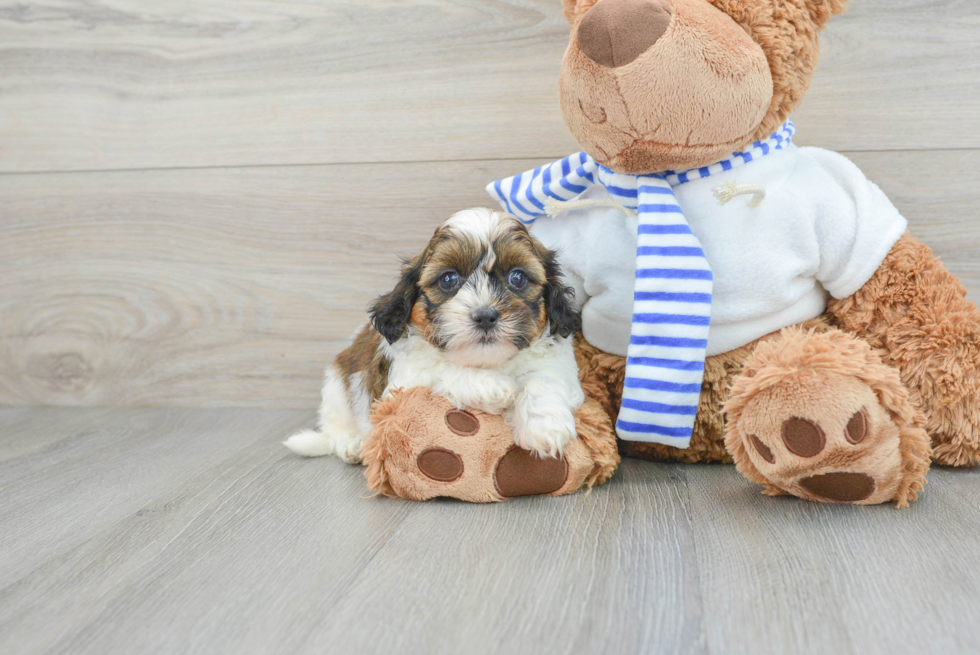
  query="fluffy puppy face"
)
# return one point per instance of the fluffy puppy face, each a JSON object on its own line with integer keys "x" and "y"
{"x": 482, "y": 290}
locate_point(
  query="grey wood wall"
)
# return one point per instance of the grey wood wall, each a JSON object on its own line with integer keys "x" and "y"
{"x": 199, "y": 197}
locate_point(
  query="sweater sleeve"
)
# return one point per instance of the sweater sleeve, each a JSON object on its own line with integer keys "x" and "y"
{"x": 854, "y": 222}
{"x": 597, "y": 251}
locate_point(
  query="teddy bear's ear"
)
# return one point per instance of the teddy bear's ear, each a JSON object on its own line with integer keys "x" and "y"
{"x": 822, "y": 10}
{"x": 575, "y": 9}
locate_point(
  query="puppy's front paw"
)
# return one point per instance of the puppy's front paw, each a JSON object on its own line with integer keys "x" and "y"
{"x": 491, "y": 393}
{"x": 543, "y": 432}
{"x": 498, "y": 394}
{"x": 348, "y": 448}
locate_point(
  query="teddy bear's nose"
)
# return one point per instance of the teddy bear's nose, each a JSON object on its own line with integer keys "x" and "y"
{"x": 615, "y": 32}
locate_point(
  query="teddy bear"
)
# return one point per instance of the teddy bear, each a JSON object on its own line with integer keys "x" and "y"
{"x": 421, "y": 447}
{"x": 744, "y": 299}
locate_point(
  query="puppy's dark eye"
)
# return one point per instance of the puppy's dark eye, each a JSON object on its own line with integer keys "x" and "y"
{"x": 449, "y": 280}
{"x": 517, "y": 279}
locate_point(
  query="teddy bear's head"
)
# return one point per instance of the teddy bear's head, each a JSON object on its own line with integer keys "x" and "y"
{"x": 654, "y": 85}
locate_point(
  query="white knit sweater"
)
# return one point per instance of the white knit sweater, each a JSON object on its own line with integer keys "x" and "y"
{"x": 822, "y": 228}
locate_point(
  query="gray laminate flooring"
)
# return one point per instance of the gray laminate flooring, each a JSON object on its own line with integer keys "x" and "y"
{"x": 195, "y": 531}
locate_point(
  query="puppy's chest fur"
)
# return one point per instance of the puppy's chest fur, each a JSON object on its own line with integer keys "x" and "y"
{"x": 370, "y": 365}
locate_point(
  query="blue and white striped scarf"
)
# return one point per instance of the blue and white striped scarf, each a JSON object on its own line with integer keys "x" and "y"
{"x": 672, "y": 288}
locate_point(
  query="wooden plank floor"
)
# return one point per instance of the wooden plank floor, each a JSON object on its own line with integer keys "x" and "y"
{"x": 195, "y": 531}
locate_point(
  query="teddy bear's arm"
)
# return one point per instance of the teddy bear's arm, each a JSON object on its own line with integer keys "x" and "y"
{"x": 917, "y": 313}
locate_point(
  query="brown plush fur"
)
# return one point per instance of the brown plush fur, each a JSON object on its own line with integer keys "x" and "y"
{"x": 733, "y": 378}
{"x": 746, "y": 66}
{"x": 917, "y": 313}
{"x": 927, "y": 339}
{"x": 909, "y": 341}
{"x": 602, "y": 378}
{"x": 574, "y": 10}
{"x": 703, "y": 60}
{"x": 787, "y": 32}
{"x": 409, "y": 422}
{"x": 826, "y": 378}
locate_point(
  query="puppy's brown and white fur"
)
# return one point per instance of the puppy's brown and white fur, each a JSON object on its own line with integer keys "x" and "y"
{"x": 481, "y": 317}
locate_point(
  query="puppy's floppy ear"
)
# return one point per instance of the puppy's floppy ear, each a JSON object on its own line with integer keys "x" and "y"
{"x": 390, "y": 313}
{"x": 559, "y": 299}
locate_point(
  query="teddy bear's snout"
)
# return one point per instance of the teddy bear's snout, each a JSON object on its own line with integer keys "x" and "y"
{"x": 615, "y": 32}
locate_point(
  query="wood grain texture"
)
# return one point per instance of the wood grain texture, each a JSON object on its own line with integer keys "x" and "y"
{"x": 213, "y": 287}
{"x": 85, "y": 479}
{"x": 253, "y": 550}
{"x": 23, "y": 436}
{"x": 610, "y": 572}
{"x": 120, "y": 84}
{"x": 236, "y": 287}
{"x": 786, "y": 575}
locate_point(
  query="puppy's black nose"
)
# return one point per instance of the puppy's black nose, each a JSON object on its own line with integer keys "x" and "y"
{"x": 486, "y": 318}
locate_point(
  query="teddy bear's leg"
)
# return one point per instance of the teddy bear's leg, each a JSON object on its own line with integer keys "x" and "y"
{"x": 602, "y": 376}
{"x": 818, "y": 415}
{"x": 917, "y": 313}
{"x": 595, "y": 432}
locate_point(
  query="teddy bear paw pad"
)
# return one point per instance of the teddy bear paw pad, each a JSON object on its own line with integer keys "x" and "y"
{"x": 520, "y": 473}
{"x": 840, "y": 487}
{"x": 824, "y": 438}
{"x": 462, "y": 422}
{"x": 440, "y": 464}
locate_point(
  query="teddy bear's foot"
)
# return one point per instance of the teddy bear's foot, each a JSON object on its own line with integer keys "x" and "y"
{"x": 819, "y": 416}
{"x": 919, "y": 314}
{"x": 956, "y": 451}
{"x": 423, "y": 447}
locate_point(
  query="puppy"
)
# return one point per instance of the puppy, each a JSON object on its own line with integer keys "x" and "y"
{"x": 481, "y": 317}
